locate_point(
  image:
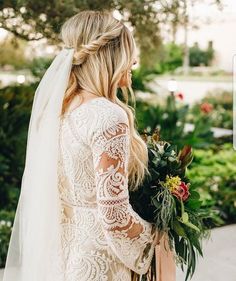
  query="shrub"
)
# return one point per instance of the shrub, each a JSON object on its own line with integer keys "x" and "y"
{"x": 12, "y": 52}
{"x": 15, "y": 103}
{"x": 222, "y": 108}
{"x": 6, "y": 222}
{"x": 200, "y": 57}
{"x": 170, "y": 120}
{"x": 214, "y": 172}
{"x": 39, "y": 65}
{"x": 171, "y": 59}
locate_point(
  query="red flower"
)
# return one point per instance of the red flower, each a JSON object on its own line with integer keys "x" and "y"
{"x": 206, "y": 107}
{"x": 180, "y": 96}
{"x": 182, "y": 191}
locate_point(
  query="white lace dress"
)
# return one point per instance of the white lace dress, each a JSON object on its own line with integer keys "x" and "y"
{"x": 103, "y": 238}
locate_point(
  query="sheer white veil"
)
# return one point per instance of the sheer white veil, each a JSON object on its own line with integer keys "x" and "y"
{"x": 34, "y": 250}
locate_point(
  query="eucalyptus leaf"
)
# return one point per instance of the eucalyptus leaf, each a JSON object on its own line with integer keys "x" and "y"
{"x": 179, "y": 229}
{"x": 184, "y": 217}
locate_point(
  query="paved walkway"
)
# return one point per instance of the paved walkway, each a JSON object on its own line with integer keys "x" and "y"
{"x": 219, "y": 263}
{"x": 192, "y": 90}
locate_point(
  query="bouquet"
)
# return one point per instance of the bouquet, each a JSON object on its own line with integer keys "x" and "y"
{"x": 168, "y": 200}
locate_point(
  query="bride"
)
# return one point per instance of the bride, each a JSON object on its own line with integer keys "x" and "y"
{"x": 73, "y": 220}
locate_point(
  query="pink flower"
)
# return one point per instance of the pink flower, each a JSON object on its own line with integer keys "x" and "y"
{"x": 181, "y": 191}
{"x": 180, "y": 96}
{"x": 206, "y": 107}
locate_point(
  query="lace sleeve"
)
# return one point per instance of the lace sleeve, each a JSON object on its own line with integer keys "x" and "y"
{"x": 130, "y": 237}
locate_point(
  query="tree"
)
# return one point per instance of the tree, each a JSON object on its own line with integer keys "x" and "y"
{"x": 178, "y": 11}
{"x": 12, "y": 52}
{"x": 33, "y": 20}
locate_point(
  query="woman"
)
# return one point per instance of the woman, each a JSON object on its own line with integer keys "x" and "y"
{"x": 96, "y": 235}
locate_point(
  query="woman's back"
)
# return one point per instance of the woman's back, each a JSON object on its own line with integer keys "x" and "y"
{"x": 74, "y": 197}
{"x": 103, "y": 238}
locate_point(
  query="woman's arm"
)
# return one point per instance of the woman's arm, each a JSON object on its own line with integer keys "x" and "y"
{"x": 131, "y": 238}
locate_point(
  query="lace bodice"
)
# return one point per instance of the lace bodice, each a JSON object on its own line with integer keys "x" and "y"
{"x": 103, "y": 238}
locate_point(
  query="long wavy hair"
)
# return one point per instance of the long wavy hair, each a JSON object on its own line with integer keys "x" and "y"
{"x": 105, "y": 50}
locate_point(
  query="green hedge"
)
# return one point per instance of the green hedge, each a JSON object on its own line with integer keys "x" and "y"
{"x": 214, "y": 172}
{"x": 6, "y": 222}
{"x": 15, "y": 104}
{"x": 170, "y": 119}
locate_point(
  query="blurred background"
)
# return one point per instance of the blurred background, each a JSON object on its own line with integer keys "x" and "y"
{"x": 183, "y": 88}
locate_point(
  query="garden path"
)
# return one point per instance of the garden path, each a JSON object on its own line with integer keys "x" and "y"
{"x": 219, "y": 261}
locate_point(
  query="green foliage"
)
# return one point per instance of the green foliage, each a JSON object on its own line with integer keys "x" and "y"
{"x": 171, "y": 59}
{"x": 170, "y": 120}
{"x": 214, "y": 172}
{"x": 198, "y": 57}
{"x": 147, "y": 115}
{"x": 15, "y": 103}
{"x": 6, "y": 222}
{"x": 42, "y": 19}
{"x": 12, "y": 52}
{"x": 168, "y": 200}
{"x": 141, "y": 77}
{"x": 39, "y": 65}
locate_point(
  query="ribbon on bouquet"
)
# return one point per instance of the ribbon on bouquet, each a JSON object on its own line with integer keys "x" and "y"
{"x": 165, "y": 263}
{"x": 163, "y": 267}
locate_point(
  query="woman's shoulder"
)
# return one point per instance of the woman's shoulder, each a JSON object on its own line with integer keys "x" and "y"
{"x": 113, "y": 110}
{"x": 109, "y": 118}
{"x": 98, "y": 114}
{"x": 102, "y": 110}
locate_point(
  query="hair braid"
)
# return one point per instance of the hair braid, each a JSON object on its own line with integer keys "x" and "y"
{"x": 86, "y": 50}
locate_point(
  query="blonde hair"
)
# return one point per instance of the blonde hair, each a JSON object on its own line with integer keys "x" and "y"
{"x": 105, "y": 50}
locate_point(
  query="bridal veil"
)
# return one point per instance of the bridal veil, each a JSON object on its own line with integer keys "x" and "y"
{"x": 33, "y": 253}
